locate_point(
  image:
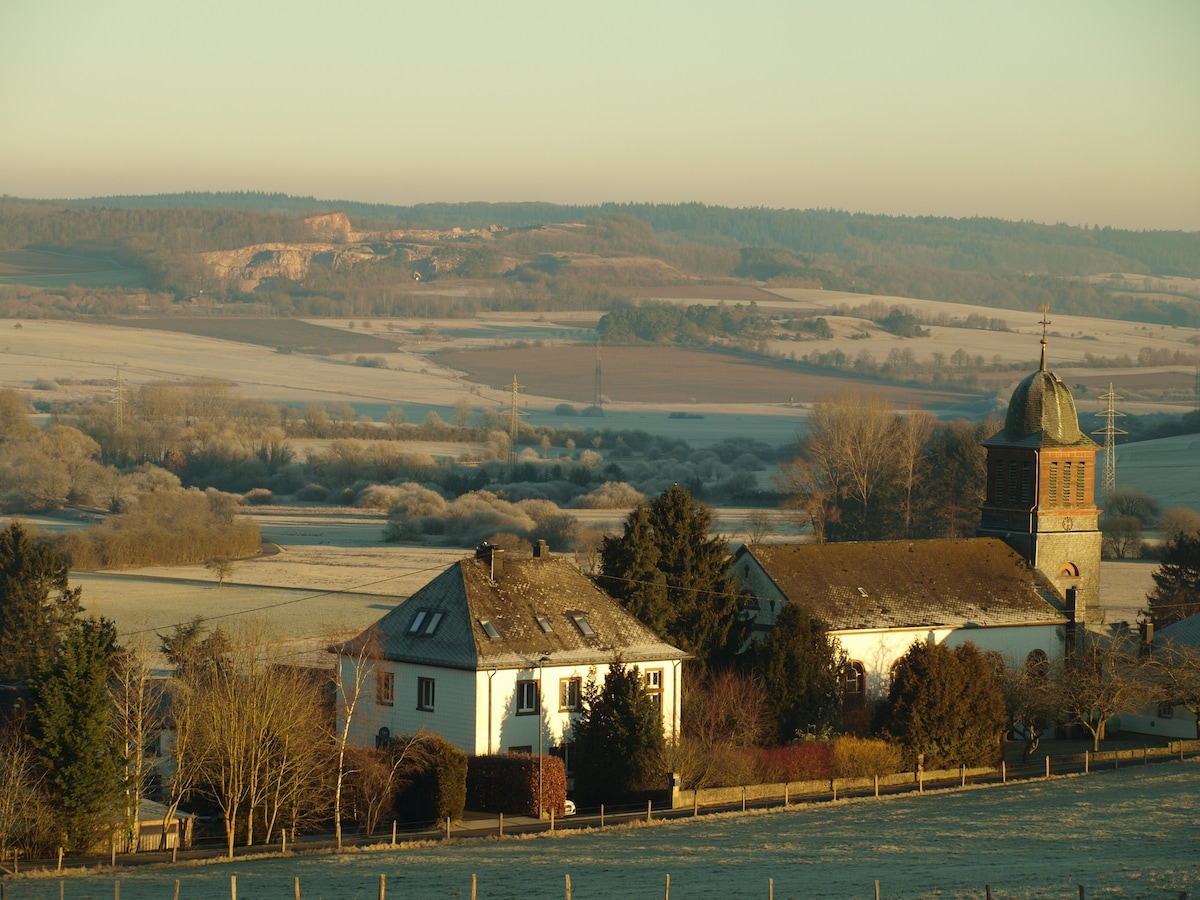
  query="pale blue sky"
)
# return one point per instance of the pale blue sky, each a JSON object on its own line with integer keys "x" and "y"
{"x": 1081, "y": 112}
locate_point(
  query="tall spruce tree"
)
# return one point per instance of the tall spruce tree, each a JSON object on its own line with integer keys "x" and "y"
{"x": 37, "y": 605}
{"x": 804, "y": 667}
{"x": 669, "y": 571}
{"x": 72, "y": 711}
{"x": 1176, "y": 594}
{"x": 618, "y": 740}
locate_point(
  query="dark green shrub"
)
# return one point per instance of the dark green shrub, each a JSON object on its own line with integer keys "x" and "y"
{"x": 439, "y": 788}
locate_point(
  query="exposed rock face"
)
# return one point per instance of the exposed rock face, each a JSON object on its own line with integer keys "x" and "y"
{"x": 332, "y": 227}
{"x": 250, "y": 265}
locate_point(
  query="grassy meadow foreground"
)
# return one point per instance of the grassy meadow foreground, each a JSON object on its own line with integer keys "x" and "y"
{"x": 1126, "y": 834}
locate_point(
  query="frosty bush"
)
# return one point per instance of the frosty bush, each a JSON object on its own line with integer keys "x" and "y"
{"x": 612, "y": 495}
{"x": 855, "y": 757}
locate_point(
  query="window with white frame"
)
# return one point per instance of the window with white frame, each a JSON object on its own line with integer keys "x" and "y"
{"x": 385, "y": 688}
{"x": 654, "y": 686}
{"x": 527, "y": 698}
{"x": 425, "y": 694}
{"x": 854, "y": 683}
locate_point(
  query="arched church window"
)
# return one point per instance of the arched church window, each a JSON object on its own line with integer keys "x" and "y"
{"x": 854, "y": 683}
{"x": 1037, "y": 664}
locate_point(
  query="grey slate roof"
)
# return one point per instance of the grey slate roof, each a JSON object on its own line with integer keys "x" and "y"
{"x": 524, "y": 589}
{"x": 1185, "y": 631}
{"x": 960, "y": 583}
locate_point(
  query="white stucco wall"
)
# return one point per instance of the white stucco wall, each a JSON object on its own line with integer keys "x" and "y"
{"x": 1181, "y": 725}
{"x": 878, "y": 651}
{"x": 477, "y": 710}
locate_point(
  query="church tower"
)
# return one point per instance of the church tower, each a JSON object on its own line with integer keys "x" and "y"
{"x": 1041, "y": 483}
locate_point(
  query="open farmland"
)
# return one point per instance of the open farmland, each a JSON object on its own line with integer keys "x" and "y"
{"x": 1126, "y": 834}
{"x": 62, "y": 268}
{"x": 673, "y": 376}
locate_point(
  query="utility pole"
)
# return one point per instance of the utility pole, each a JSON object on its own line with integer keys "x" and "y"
{"x": 1110, "y": 432}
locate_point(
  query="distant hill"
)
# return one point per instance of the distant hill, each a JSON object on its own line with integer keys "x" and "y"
{"x": 973, "y": 244}
{"x": 264, "y": 248}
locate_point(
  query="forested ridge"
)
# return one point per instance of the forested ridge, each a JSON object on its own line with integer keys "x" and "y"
{"x": 971, "y": 244}
{"x": 526, "y": 256}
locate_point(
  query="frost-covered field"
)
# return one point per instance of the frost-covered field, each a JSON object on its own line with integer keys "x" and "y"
{"x": 1133, "y": 833}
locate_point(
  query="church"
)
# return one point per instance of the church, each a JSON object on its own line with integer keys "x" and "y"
{"x": 1026, "y": 587}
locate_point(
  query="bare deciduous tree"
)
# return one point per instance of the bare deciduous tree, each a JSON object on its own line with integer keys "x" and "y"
{"x": 1104, "y": 678}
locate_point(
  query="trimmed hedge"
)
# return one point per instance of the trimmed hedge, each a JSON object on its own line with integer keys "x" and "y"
{"x": 439, "y": 789}
{"x": 509, "y": 784}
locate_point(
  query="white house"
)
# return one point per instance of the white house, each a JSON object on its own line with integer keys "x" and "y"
{"x": 879, "y": 597}
{"x": 1169, "y": 720}
{"x": 493, "y": 655}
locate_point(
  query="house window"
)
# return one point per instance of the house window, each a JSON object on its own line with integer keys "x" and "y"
{"x": 385, "y": 688}
{"x": 568, "y": 694}
{"x": 425, "y": 694}
{"x": 490, "y": 629}
{"x": 527, "y": 698}
{"x": 383, "y": 739}
{"x": 581, "y": 622}
{"x": 854, "y": 683}
{"x": 567, "y": 753}
{"x": 1166, "y": 711}
{"x": 427, "y": 620}
{"x": 654, "y": 686}
{"x": 544, "y": 624}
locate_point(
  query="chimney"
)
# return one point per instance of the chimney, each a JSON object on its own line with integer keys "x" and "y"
{"x": 494, "y": 556}
{"x": 541, "y": 549}
{"x": 1146, "y": 635}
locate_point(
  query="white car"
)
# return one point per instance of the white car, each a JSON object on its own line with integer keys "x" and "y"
{"x": 569, "y": 808}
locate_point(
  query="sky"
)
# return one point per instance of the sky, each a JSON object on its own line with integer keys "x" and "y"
{"x": 1077, "y": 111}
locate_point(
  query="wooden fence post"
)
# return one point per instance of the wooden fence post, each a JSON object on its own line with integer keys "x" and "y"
{"x": 60, "y": 856}
{"x": 743, "y": 799}
{"x": 962, "y": 775}
{"x": 474, "y": 886}
{"x": 283, "y": 840}
{"x": 1081, "y": 896}
{"x": 833, "y": 787}
{"x": 876, "y": 784}
{"x": 1047, "y": 765}
{"x": 770, "y": 889}
{"x": 116, "y": 890}
{"x": 695, "y": 802}
{"x": 648, "y": 803}
{"x": 296, "y": 888}
{"x": 176, "y": 894}
{"x": 667, "y": 893}
{"x": 601, "y": 816}
{"x": 786, "y": 794}
{"x": 393, "y": 832}
{"x": 447, "y": 828}
{"x": 876, "y": 889}
{"x": 568, "y": 887}
{"x": 382, "y": 886}
{"x": 987, "y": 892}
{"x": 552, "y": 820}
{"x": 232, "y": 887}
{"x": 1087, "y": 762}
{"x": 500, "y": 832}
{"x": 1003, "y": 772}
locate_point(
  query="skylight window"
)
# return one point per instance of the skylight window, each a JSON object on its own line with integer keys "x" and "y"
{"x": 544, "y": 624}
{"x": 490, "y": 629}
{"x": 418, "y": 621}
{"x": 582, "y": 624}
{"x": 434, "y": 621}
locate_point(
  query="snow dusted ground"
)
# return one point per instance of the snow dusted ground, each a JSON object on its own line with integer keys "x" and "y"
{"x": 1125, "y": 834}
